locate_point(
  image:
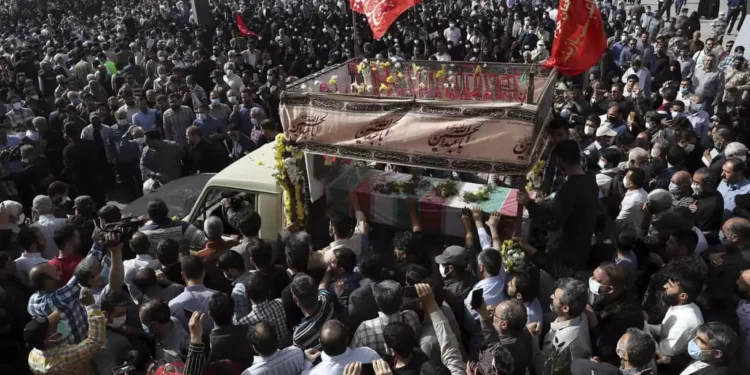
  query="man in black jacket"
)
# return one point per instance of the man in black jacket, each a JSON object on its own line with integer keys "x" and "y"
{"x": 201, "y": 155}
{"x": 615, "y": 311}
{"x": 709, "y": 209}
{"x": 227, "y": 340}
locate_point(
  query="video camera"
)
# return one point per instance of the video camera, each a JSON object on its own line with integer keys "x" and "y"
{"x": 125, "y": 228}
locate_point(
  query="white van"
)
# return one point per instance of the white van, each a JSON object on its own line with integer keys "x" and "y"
{"x": 253, "y": 175}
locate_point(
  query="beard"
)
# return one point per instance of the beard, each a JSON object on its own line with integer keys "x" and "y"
{"x": 670, "y": 299}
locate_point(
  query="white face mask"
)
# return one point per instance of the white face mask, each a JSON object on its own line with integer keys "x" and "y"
{"x": 689, "y": 148}
{"x": 625, "y": 182}
{"x": 443, "y": 270}
{"x": 141, "y": 141}
{"x": 602, "y": 164}
{"x": 589, "y": 130}
{"x": 654, "y": 153}
{"x": 697, "y": 189}
{"x": 118, "y": 322}
{"x": 233, "y": 99}
{"x": 122, "y": 121}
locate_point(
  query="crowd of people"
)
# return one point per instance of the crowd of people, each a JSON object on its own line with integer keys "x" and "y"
{"x": 637, "y": 259}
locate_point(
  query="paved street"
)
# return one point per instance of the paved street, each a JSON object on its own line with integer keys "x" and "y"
{"x": 692, "y": 6}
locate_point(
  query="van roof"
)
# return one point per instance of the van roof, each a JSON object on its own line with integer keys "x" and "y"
{"x": 253, "y": 172}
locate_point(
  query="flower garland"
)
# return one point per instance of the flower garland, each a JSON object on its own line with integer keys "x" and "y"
{"x": 290, "y": 178}
{"x": 514, "y": 258}
{"x": 534, "y": 177}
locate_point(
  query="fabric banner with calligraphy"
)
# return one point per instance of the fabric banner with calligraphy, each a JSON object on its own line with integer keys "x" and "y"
{"x": 436, "y": 214}
{"x": 381, "y": 13}
{"x": 579, "y": 37}
{"x": 482, "y": 137}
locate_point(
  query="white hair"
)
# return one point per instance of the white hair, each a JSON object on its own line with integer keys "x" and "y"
{"x": 659, "y": 200}
{"x": 735, "y": 149}
{"x": 213, "y": 228}
{"x": 638, "y": 154}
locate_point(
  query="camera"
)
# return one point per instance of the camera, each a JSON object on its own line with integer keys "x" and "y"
{"x": 124, "y": 228}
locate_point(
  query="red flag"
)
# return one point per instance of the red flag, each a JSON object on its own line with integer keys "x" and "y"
{"x": 381, "y": 13}
{"x": 244, "y": 31}
{"x": 579, "y": 37}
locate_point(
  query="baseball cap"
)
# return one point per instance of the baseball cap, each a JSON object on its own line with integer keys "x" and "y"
{"x": 35, "y": 332}
{"x": 605, "y": 131}
{"x": 454, "y": 255}
{"x": 85, "y": 205}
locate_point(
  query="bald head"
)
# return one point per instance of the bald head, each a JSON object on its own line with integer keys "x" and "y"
{"x": 44, "y": 277}
{"x": 140, "y": 243}
{"x": 333, "y": 338}
{"x": 737, "y": 231}
{"x": 512, "y": 316}
{"x": 681, "y": 178}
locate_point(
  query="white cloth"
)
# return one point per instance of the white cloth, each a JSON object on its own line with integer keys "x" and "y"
{"x": 677, "y": 328}
{"x": 631, "y": 210}
{"x": 353, "y": 243}
{"x": 335, "y": 365}
{"x": 452, "y": 35}
{"x": 694, "y": 367}
{"x": 47, "y": 225}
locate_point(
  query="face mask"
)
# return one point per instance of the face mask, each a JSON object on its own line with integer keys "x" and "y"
{"x": 215, "y": 101}
{"x": 689, "y": 148}
{"x": 141, "y": 141}
{"x": 625, "y": 182}
{"x": 444, "y": 270}
{"x": 145, "y": 328}
{"x": 683, "y": 90}
{"x": 743, "y": 157}
{"x": 203, "y": 116}
{"x": 694, "y": 351}
{"x": 675, "y": 114}
{"x": 697, "y": 189}
{"x": 648, "y": 125}
{"x": 118, "y": 322}
{"x": 594, "y": 287}
{"x": 17, "y": 105}
{"x": 122, "y": 122}
{"x": 589, "y": 130}
{"x": 63, "y": 331}
{"x": 233, "y": 99}
{"x": 602, "y": 164}
{"x": 673, "y": 188}
{"x": 76, "y": 101}
{"x": 698, "y": 106}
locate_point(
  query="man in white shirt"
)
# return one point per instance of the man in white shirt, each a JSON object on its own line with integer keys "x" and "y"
{"x": 141, "y": 246}
{"x": 631, "y": 208}
{"x": 31, "y": 240}
{"x": 682, "y": 318}
{"x": 452, "y": 33}
{"x": 341, "y": 230}
{"x": 47, "y": 224}
{"x": 336, "y": 355}
{"x": 442, "y": 52}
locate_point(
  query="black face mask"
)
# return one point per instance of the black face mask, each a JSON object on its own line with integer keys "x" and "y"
{"x": 612, "y": 119}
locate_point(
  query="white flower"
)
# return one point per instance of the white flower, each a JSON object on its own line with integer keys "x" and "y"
{"x": 355, "y": 85}
{"x": 365, "y": 62}
{"x": 445, "y": 85}
{"x": 397, "y": 65}
{"x": 316, "y": 83}
{"x": 369, "y": 87}
{"x": 303, "y": 86}
{"x": 334, "y": 77}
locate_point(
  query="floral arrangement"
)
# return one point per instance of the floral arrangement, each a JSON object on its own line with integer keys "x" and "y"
{"x": 534, "y": 177}
{"x": 446, "y": 189}
{"x": 478, "y": 196}
{"x": 408, "y": 187}
{"x": 291, "y": 178}
{"x": 514, "y": 258}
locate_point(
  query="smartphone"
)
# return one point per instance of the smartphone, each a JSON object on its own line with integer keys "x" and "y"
{"x": 477, "y": 298}
{"x": 367, "y": 369}
{"x": 410, "y": 292}
{"x": 188, "y": 313}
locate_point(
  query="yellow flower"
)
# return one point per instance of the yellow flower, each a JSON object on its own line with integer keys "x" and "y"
{"x": 478, "y": 70}
{"x": 414, "y": 67}
{"x": 260, "y": 162}
{"x": 360, "y": 89}
{"x": 332, "y": 81}
{"x": 383, "y": 87}
{"x": 387, "y": 64}
{"x": 361, "y": 67}
{"x": 400, "y": 75}
{"x": 440, "y": 73}
{"x": 390, "y": 79}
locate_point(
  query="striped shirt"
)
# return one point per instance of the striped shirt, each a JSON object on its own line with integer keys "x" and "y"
{"x": 186, "y": 234}
{"x": 287, "y": 361}
{"x": 72, "y": 359}
{"x": 370, "y": 332}
{"x": 241, "y": 303}
{"x": 308, "y": 331}
{"x": 176, "y": 122}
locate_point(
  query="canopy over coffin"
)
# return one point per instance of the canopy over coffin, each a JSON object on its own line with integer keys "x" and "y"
{"x": 476, "y": 117}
